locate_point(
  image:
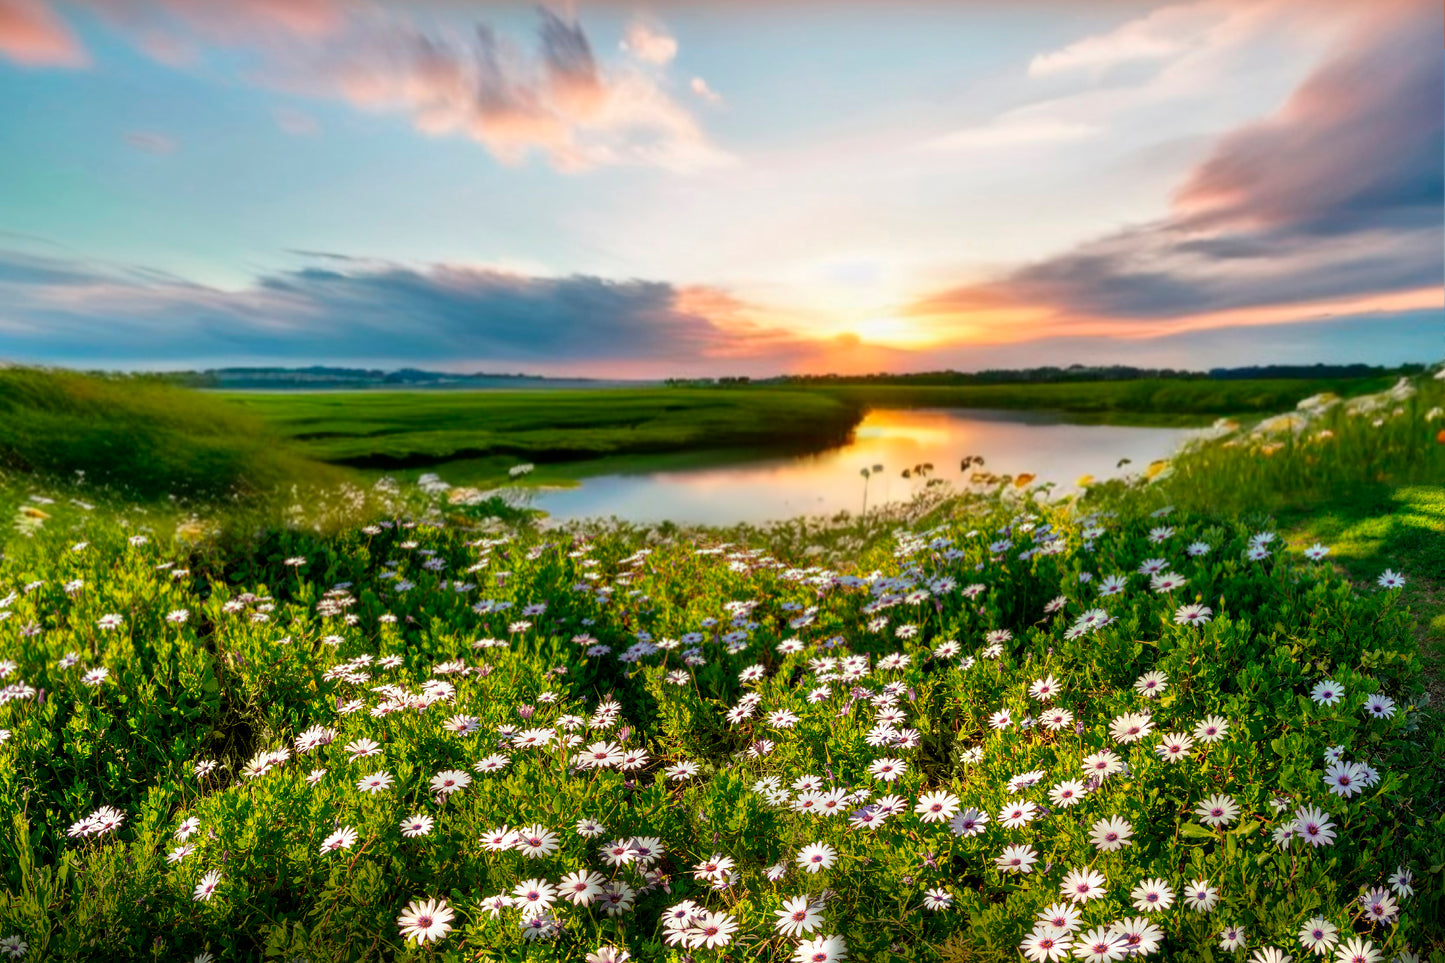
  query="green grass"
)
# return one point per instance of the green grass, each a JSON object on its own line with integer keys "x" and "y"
{"x": 1365, "y": 479}
{"x": 140, "y": 438}
{"x": 1148, "y": 402}
{"x": 411, "y": 429}
{"x": 1403, "y": 530}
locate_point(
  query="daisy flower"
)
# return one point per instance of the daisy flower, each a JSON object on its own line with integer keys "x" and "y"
{"x": 1200, "y": 896}
{"x": 1046, "y": 945}
{"x": 1327, "y": 693}
{"x": 206, "y": 888}
{"x": 1151, "y": 684}
{"x": 1082, "y": 885}
{"x": 1193, "y": 614}
{"x": 581, "y": 887}
{"x": 1016, "y": 859}
{"x": 1167, "y": 582}
{"x": 1357, "y": 950}
{"x": 1174, "y": 747}
{"x": 418, "y": 825}
{"x": 493, "y": 763}
{"x": 343, "y": 838}
{"x": 1217, "y": 810}
{"x": 711, "y": 929}
{"x": 816, "y": 856}
{"x": 1017, "y": 814}
{"x": 361, "y": 748}
{"x": 1379, "y": 706}
{"x": 1111, "y": 834}
{"x": 1232, "y": 938}
{"x": 1099, "y": 945}
{"x": 1270, "y": 954}
{"x": 449, "y": 781}
{"x": 821, "y": 949}
{"x": 1343, "y": 778}
{"x": 1211, "y": 729}
{"x": 799, "y": 915}
{"x": 1151, "y": 895}
{"x": 936, "y": 807}
{"x": 1390, "y": 579}
{"x": 1044, "y": 689}
{"x": 1380, "y": 906}
{"x": 1131, "y": 727}
{"x": 887, "y": 769}
{"x": 1318, "y": 935}
{"x": 1068, "y": 793}
{"x": 424, "y": 920}
{"x": 967, "y": 823}
{"x": 1313, "y": 826}
{"x": 376, "y": 782}
{"x": 1060, "y": 916}
{"x": 937, "y": 899}
{"x": 1140, "y": 937}
{"x": 534, "y": 897}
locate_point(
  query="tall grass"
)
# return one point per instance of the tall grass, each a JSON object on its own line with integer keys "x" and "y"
{"x": 1329, "y": 451}
{"x": 137, "y": 437}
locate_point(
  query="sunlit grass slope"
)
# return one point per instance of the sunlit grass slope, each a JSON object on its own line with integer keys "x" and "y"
{"x": 139, "y": 438}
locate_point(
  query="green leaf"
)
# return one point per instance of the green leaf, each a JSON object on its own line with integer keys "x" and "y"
{"x": 1196, "y": 831}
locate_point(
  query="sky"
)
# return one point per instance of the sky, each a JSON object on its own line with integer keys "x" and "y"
{"x": 720, "y": 188}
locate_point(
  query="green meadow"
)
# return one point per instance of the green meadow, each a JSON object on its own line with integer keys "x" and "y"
{"x": 303, "y": 710}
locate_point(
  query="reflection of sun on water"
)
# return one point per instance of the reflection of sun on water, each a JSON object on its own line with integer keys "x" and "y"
{"x": 905, "y": 426}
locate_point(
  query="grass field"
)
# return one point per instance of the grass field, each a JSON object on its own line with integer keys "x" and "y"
{"x": 372, "y": 724}
{"x": 1158, "y": 403}
{"x": 410, "y": 429}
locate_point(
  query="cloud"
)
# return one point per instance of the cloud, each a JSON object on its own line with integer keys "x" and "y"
{"x": 1336, "y": 196}
{"x": 649, "y": 44}
{"x": 700, "y": 87}
{"x": 32, "y": 35}
{"x": 1162, "y": 34}
{"x": 150, "y": 142}
{"x": 54, "y": 309}
{"x": 1013, "y": 130}
{"x": 222, "y": 22}
{"x": 559, "y": 100}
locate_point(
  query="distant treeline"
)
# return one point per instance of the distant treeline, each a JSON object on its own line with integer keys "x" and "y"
{"x": 321, "y": 376}
{"x": 1079, "y": 373}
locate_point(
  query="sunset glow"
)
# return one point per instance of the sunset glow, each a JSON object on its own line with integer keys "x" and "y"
{"x": 706, "y": 188}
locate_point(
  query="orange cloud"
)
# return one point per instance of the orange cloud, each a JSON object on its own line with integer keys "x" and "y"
{"x": 1329, "y": 206}
{"x": 33, "y": 36}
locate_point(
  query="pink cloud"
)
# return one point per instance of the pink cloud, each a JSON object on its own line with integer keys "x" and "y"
{"x": 1335, "y": 199}
{"x": 649, "y": 43}
{"x": 32, "y": 35}
{"x": 555, "y": 98}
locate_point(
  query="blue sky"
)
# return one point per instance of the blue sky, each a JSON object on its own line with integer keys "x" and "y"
{"x": 718, "y": 188}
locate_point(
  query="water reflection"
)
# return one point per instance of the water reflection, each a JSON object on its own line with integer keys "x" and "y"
{"x": 824, "y": 483}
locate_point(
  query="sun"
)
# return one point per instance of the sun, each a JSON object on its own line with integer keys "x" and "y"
{"x": 890, "y": 330}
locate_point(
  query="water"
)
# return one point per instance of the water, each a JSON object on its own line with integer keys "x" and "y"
{"x": 825, "y": 483}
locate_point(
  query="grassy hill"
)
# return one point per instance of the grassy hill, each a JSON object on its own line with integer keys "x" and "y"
{"x": 140, "y": 438}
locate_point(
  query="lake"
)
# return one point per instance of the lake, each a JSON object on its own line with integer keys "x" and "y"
{"x": 826, "y": 482}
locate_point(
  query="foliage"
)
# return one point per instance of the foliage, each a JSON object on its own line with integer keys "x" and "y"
{"x": 395, "y": 631}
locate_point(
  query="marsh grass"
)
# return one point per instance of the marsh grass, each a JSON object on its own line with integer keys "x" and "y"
{"x": 140, "y": 438}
